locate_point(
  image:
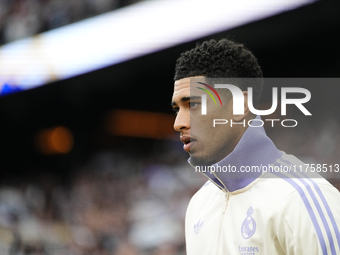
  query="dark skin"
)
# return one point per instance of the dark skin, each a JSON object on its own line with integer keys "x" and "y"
{"x": 205, "y": 144}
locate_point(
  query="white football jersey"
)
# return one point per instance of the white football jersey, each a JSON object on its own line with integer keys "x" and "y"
{"x": 270, "y": 212}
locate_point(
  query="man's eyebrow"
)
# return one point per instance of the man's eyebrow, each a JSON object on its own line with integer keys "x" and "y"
{"x": 185, "y": 99}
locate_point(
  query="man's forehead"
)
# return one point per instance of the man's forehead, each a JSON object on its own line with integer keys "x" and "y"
{"x": 185, "y": 82}
{"x": 182, "y": 84}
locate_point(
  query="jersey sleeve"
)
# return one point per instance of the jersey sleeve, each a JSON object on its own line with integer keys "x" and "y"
{"x": 309, "y": 219}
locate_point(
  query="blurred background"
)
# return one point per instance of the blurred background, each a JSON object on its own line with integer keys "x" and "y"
{"x": 89, "y": 162}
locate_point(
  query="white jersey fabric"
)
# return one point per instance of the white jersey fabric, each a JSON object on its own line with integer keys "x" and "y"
{"x": 275, "y": 213}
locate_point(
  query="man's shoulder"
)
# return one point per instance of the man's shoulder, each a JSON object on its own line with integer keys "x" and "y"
{"x": 296, "y": 173}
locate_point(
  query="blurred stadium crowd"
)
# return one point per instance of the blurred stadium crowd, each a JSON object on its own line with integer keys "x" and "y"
{"x": 115, "y": 204}
{"x": 23, "y": 18}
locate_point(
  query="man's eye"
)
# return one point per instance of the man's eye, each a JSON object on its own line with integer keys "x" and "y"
{"x": 175, "y": 109}
{"x": 193, "y": 104}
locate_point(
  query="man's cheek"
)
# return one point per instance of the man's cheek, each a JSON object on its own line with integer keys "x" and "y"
{"x": 199, "y": 124}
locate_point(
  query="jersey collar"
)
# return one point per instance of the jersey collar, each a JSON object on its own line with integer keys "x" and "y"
{"x": 254, "y": 150}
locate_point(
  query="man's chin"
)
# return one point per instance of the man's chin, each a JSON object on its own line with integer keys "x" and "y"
{"x": 195, "y": 160}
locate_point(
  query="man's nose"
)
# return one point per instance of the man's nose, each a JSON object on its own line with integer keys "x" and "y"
{"x": 182, "y": 120}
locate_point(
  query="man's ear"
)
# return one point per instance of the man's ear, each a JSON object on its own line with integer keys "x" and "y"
{"x": 239, "y": 118}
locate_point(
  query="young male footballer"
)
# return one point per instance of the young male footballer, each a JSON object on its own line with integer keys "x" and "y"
{"x": 237, "y": 212}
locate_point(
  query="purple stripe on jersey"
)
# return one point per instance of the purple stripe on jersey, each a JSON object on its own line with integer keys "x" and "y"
{"x": 308, "y": 207}
{"x": 289, "y": 163}
{"x": 328, "y": 209}
{"x": 318, "y": 207}
{"x": 324, "y": 201}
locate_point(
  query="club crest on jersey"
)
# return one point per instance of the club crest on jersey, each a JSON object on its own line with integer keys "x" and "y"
{"x": 198, "y": 226}
{"x": 249, "y": 225}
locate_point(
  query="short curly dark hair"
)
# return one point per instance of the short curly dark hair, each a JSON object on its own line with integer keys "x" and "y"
{"x": 222, "y": 59}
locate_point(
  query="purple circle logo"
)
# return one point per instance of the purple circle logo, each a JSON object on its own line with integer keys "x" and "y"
{"x": 249, "y": 225}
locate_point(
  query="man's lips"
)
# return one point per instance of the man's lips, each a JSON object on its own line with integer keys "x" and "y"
{"x": 188, "y": 142}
